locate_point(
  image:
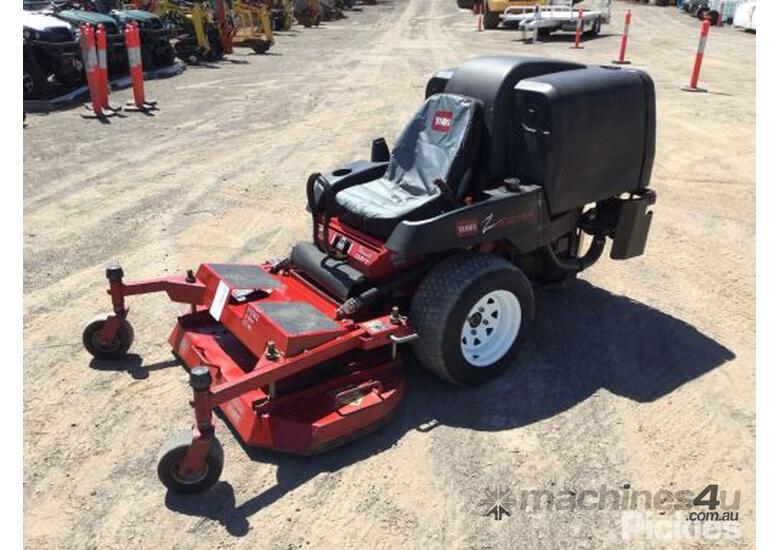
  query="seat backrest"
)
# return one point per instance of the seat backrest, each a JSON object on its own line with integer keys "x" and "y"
{"x": 492, "y": 80}
{"x": 440, "y": 142}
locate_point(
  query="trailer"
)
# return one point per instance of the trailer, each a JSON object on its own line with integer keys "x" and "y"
{"x": 544, "y": 20}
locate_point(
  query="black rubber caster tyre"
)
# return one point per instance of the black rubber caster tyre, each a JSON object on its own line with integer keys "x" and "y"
{"x": 466, "y": 4}
{"x": 491, "y": 20}
{"x": 172, "y": 453}
{"x": 116, "y": 349}
{"x": 473, "y": 313}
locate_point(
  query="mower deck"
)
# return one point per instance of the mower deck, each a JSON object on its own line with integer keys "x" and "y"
{"x": 286, "y": 373}
{"x": 305, "y": 414}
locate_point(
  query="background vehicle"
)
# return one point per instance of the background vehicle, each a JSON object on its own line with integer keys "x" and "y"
{"x": 52, "y": 57}
{"x": 494, "y": 8}
{"x": 548, "y": 19}
{"x": 76, "y": 12}
{"x": 192, "y": 27}
{"x": 307, "y": 12}
{"x": 252, "y": 26}
{"x": 281, "y": 13}
{"x": 745, "y": 16}
{"x": 715, "y": 8}
{"x": 156, "y": 49}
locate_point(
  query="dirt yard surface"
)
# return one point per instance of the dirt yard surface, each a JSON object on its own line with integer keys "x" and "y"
{"x": 641, "y": 375}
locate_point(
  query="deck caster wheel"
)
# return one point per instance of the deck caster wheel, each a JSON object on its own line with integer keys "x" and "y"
{"x": 170, "y": 457}
{"x": 113, "y": 350}
{"x": 472, "y": 312}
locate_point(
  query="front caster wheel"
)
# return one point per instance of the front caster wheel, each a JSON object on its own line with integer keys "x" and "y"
{"x": 171, "y": 456}
{"x": 115, "y": 349}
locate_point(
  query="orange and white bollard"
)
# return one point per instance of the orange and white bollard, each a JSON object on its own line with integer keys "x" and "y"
{"x": 693, "y": 86}
{"x": 624, "y": 41}
{"x": 578, "y": 32}
{"x": 104, "y": 88}
{"x": 133, "y": 44}
{"x": 89, "y": 55}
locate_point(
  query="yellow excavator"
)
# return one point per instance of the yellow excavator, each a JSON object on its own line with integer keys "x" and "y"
{"x": 281, "y": 13}
{"x": 252, "y": 25}
{"x": 195, "y": 33}
{"x": 307, "y": 12}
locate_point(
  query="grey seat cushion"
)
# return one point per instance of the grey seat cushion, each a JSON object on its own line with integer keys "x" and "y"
{"x": 440, "y": 142}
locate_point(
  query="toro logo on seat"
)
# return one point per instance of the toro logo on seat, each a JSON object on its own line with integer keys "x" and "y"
{"x": 442, "y": 121}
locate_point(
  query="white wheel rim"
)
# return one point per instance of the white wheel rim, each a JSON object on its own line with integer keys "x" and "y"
{"x": 490, "y": 328}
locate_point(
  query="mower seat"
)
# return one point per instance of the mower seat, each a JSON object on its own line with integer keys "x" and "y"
{"x": 439, "y": 143}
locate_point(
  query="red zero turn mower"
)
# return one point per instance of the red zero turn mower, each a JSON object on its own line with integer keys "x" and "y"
{"x": 507, "y": 169}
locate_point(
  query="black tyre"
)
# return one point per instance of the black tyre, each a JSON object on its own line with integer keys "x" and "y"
{"x": 491, "y": 20}
{"x": 166, "y": 56}
{"x": 596, "y": 28}
{"x": 466, "y": 4}
{"x": 148, "y": 59}
{"x": 34, "y": 80}
{"x": 307, "y": 21}
{"x": 115, "y": 349}
{"x": 170, "y": 457}
{"x": 260, "y": 46}
{"x": 473, "y": 313}
{"x": 713, "y": 16}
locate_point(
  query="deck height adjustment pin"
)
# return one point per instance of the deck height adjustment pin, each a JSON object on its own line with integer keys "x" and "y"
{"x": 114, "y": 273}
{"x": 271, "y": 353}
{"x": 200, "y": 378}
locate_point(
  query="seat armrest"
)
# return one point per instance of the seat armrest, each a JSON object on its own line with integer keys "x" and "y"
{"x": 354, "y": 173}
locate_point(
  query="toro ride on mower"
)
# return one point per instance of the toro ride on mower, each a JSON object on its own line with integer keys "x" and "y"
{"x": 508, "y": 165}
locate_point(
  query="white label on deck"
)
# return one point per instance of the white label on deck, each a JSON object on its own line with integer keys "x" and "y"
{"x": 218, "y": 303}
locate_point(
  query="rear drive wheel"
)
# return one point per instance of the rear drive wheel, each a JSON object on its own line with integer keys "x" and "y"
{"x": 115, "y": 349}
{"x": 472, "y": 312}
{"x": 171, "y": 456}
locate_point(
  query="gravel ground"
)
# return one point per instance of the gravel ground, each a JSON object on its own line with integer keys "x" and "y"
{"x": 642, "y": 374}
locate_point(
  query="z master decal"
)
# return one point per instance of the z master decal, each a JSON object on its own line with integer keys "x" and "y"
{"x": 471, "y": 226}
